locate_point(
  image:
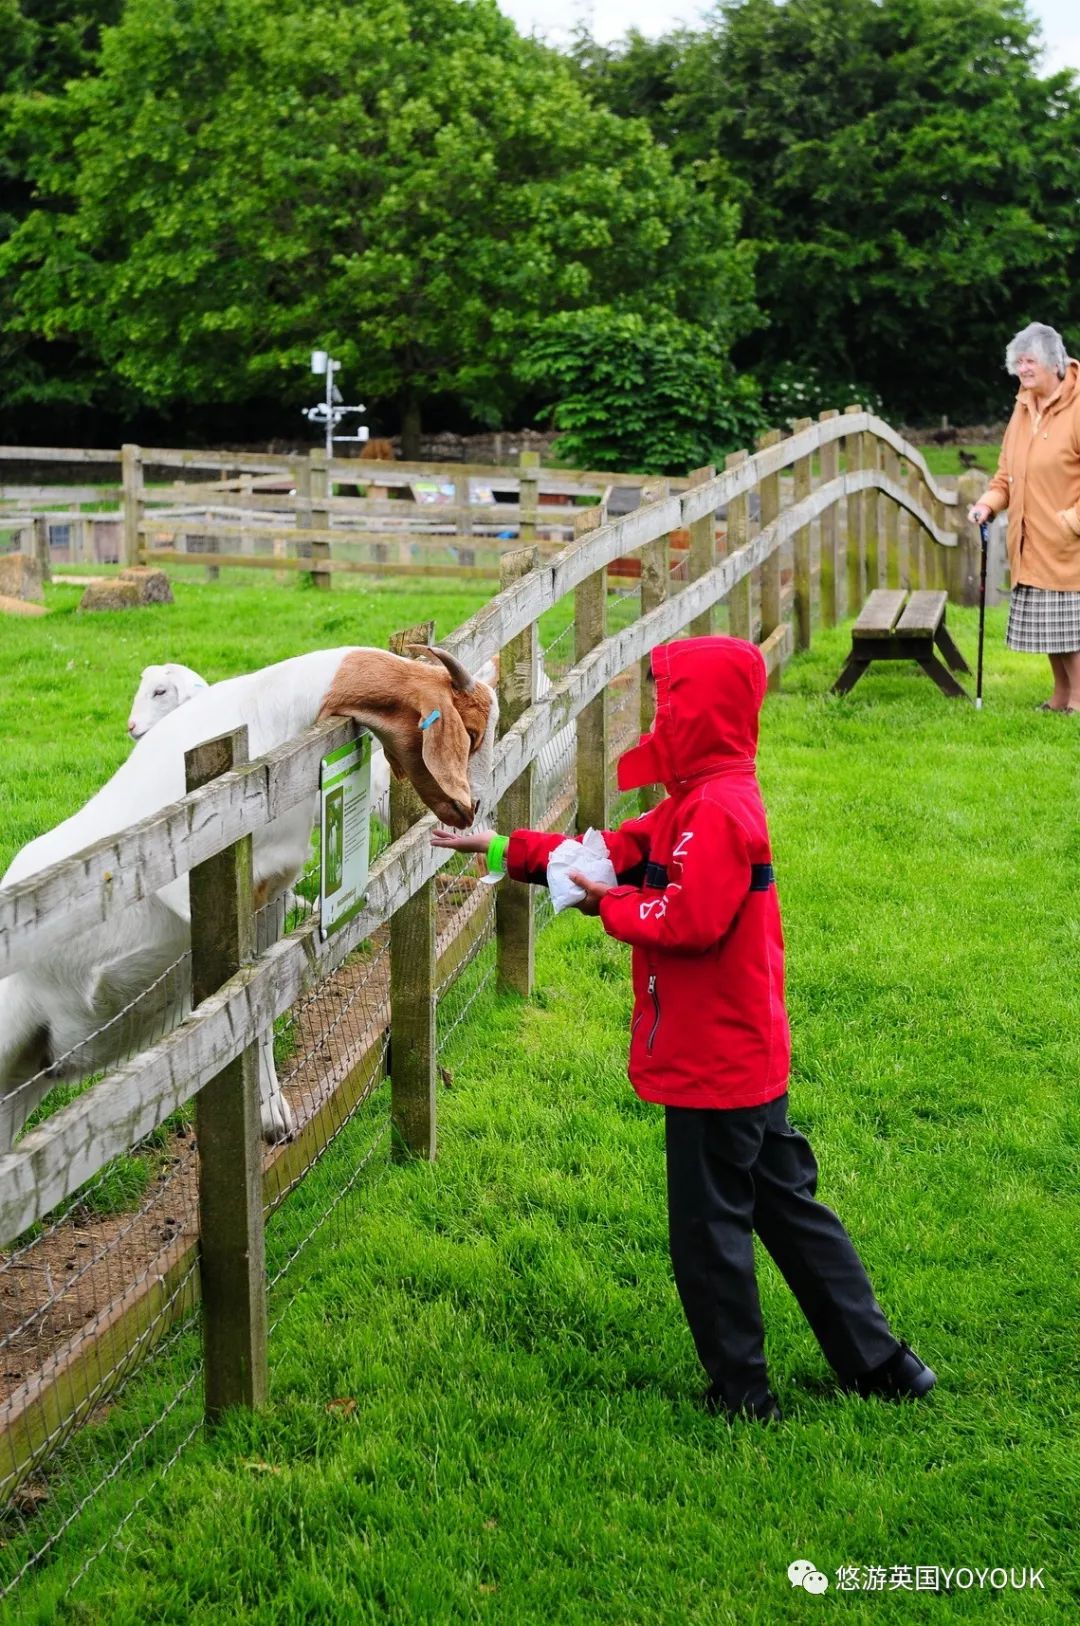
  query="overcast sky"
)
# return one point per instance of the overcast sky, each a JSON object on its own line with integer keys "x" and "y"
{"x": 610, "y": 19}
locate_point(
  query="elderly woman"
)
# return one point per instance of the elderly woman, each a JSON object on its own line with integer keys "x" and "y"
{"x": 1038, "y": 481}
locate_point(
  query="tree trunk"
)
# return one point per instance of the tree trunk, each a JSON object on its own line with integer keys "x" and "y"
{"x": 410, "y": 428}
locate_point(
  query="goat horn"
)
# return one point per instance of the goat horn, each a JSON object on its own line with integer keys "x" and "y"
{"x": 459, "y": 677}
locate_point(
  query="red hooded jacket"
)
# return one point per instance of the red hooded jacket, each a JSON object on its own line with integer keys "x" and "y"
{"x": 697, "y": 898}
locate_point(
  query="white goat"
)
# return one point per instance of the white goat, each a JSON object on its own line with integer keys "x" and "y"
{"x": 161, "y": 689}
{"x": 53, "y": 1011}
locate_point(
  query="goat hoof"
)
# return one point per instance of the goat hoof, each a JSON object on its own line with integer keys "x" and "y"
{"x": 278, "y": 1122}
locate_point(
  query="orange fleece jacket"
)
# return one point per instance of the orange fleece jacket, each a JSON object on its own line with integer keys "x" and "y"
{"x": 1038, "y": 481}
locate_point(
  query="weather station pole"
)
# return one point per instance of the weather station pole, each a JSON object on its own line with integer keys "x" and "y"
{"x": 330, "y": 411}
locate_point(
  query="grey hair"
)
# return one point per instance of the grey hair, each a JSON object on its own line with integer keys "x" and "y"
{"x": 1042, "y": 342}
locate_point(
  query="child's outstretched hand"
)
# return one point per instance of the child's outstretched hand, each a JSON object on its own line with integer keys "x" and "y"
{"x": 472, "y": 841}
{"x": 595, "y": 892}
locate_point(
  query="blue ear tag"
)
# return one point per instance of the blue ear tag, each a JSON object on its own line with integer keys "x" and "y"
{"x": 433, "y": 717}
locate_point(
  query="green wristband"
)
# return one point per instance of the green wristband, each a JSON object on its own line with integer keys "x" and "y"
{"x": 496, "y": 855}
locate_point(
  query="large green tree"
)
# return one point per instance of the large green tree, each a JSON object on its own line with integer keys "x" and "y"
{"x": 406, "y": 182}
{"x": 43, "y": 44}
{"x": 909, "y": 180}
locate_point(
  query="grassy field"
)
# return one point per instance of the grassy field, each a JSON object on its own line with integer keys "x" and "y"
{"x": 946, "y": 459}
{"x": 484, "y": 1399}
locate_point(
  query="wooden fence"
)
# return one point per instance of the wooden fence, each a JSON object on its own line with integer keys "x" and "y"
{"x": 880, "y": 519}
{"x": 260, "y": 511}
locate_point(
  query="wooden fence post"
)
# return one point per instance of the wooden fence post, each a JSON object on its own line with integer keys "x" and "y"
{"x": 769, "y": 499}
{"x": 40, "y": 544}
{"x": 320, "y": 518}
{"x": 969, "y": 489}
{"x": 804, "y": 587}
{"x": 463, "y": 502}
{"x": 655, "y": 578}
{"x": 929, "y": 546}
{"x": 916, "y": 567}
{"x": 303, "y": 511}
{"x": 702, "y": 550}
{"x": 890, "y": 466}
{"x": 232, "y": 1261}
{"x": 856, "y": 551}
{"x": 413, "y": 986}
{"x": 871, "y": 524}
{"x": 829, "y": 462}
{"x": 210, "y": 546}
{"x": 946, "y": 557}
{"x": 738, "y": 533}
{"x": 528, "y": 495}
{"x": 515, "y": 912}
{"x": 590, "y": 629}
{"x": 246, "y": 542}
{"x": 131, "y": 543}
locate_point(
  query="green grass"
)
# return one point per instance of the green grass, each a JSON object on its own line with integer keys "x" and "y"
{"x": 516, "y": 1436}
{"x": 946, "y": 459}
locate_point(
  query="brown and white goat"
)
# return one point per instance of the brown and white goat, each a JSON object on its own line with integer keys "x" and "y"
{"x": 436, "y": 724}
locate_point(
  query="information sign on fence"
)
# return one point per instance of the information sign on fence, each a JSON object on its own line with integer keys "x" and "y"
{"x": 345, "y": 826}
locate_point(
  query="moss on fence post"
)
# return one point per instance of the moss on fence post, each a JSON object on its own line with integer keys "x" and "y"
{"x": 590, "y": 629}
{"x": 132, "y": 474}
{"x": 413, "y": 985}
{"x": 804, "y": 590}
{"x": 738, "y": 533}
{"x": 515, "y": 912}
{"x": 702, "y": 549}
{"x": 655, "y": 577}
{"x": 856, "y": 551}
{"x": 770, "y": 583}
{"x": 232, "y": 1261}
{"x": 890, "y": 464}
{"x": 319, "y": 487}
{"x": 969, "y": 488}
{"x": 528, "y": 495}
{"x": 871, "y": 515}
{"x": 831, "y": 576}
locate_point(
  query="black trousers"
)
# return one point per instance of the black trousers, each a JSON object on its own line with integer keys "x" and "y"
{"x": 731, "y": 1173}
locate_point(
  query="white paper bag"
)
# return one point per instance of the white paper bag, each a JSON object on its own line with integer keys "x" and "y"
{"x": 589, "y": 857}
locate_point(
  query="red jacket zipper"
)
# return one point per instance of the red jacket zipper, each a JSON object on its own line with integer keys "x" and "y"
{"x": 656, "y": 1007}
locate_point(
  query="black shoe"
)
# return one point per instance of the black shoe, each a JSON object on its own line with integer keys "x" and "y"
{"x": 902, "y": 1377}
{"x": 764, "y": 1410}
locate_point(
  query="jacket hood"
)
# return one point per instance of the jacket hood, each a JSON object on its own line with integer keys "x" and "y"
{"x": 1064, "y": 393}
{"x": 708, "y": 696}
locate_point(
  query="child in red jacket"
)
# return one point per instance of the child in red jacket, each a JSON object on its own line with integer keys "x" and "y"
{"x": 696, "y": 899}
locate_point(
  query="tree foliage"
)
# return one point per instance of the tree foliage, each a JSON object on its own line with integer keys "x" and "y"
{"x": 647, "y": 393}
{"x": 407, "y": 182}
{"x": 42, "y": 45}
{"x": 863, "y": 197}
{"x": 907, "y": 176}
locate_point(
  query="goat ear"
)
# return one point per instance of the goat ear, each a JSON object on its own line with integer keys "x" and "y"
{"x": 444, "y": 742}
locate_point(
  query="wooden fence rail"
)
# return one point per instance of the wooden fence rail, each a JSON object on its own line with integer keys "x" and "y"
{"x": 740, "y": 569}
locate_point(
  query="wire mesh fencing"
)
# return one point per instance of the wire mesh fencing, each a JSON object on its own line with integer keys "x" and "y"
{"x": 88, "y": 1423}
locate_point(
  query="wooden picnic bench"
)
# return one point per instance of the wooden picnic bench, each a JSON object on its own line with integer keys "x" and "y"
{"x": 895, "y": 627}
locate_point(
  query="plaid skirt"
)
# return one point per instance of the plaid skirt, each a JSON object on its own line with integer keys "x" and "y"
{"x": 1043, "y": 622}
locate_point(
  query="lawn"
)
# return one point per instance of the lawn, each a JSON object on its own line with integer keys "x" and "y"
{"x": 947, "y": 459}
{"x": 484, "y": 1399}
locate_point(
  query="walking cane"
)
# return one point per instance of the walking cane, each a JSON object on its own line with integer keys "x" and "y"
{"x": 984, "y": 532}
